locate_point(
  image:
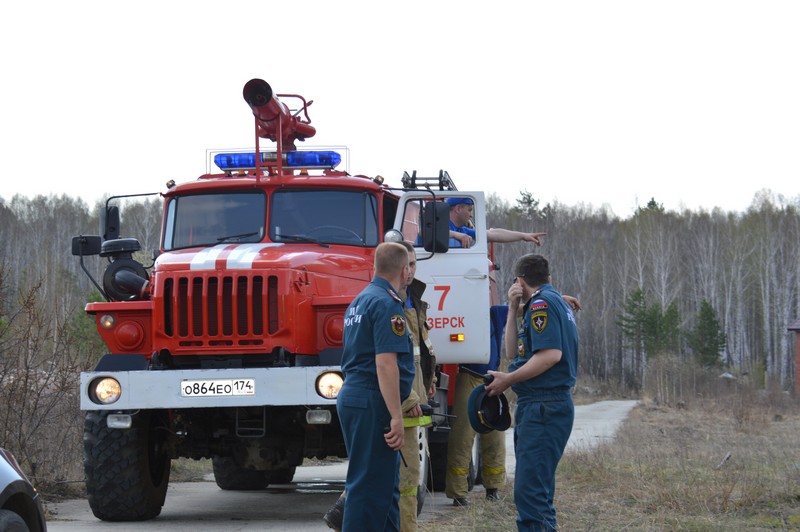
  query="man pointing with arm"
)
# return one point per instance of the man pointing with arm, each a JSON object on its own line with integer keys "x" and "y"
{"x": 463, "y": 235}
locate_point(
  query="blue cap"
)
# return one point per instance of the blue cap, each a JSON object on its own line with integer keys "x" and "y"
{"x": 487, "y": 413}
{"x": 458, "y": 201}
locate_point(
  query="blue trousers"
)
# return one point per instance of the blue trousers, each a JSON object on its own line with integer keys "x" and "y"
{"x": 373, "y": 472}
{"x": 542, "y": 427}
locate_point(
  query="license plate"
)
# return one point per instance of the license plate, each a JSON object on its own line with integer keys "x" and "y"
{"x": 218, "y": 387}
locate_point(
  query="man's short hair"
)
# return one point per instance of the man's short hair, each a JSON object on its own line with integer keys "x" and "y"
{"x": 458, "y": 201}
{"x": 406, "y": 244}
{"x": 533, "y": 268}
{"x": 390, "y": 257}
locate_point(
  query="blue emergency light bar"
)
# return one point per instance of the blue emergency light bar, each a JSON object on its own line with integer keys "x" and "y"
{"x": 296, "y": 159}
{"x": 320, "y": 159}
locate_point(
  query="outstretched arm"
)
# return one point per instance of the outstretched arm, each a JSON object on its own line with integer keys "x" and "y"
{"x": 507, "y": 235}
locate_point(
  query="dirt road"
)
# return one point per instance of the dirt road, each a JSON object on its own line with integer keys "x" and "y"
{"x": 202, "y": 506}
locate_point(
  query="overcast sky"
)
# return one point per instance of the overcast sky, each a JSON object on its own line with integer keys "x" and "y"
{"x": 694, "y": 103}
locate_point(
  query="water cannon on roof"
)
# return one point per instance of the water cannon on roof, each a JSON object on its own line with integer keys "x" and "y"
{"x": 274, "y": 120}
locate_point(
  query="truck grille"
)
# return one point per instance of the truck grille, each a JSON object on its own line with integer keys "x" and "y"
{"x": 225, "y": 310}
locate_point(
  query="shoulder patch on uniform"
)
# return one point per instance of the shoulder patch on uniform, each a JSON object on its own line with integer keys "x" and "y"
{"x": 394, "y": 296}
{"x": 539, "y": 304}
{"x": 398, "y": 324}
{"x": 539, "y": 320}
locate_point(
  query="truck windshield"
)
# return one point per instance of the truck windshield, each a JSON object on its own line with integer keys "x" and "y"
{"x": 324, "y": 216}
{"x": 210, "y": 219}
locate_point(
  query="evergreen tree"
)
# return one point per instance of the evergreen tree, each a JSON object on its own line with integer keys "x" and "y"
{"x": 707, "y": 339}
{"x": 634, "y": 321}
{"x": 671, "y": 329}
{"x": 662, "y": 330}
{"x": 652, "y": 206}
{"x": 649, "y": 329}
{"x": 527, "y": 205}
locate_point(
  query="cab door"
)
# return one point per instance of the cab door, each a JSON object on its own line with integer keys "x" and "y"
{"x": 457, "y": 282}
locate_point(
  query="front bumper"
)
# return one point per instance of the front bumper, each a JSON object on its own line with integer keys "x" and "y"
{"x": 155, "y": 389}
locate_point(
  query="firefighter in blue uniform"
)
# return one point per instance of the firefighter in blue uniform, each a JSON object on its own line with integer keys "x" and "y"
{"x": 378, "y": 365}
{"x": 462, "y": 232}
{"x": 542, "y": 374}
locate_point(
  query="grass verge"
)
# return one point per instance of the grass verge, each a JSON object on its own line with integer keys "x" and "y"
{"x": 731, "y": 462}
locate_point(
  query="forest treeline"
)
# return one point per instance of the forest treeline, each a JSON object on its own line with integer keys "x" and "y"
{"x": 663, "y": 294}
{"x": 714, "y": 289}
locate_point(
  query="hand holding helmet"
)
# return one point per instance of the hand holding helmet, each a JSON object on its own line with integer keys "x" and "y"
{"x": 488, "y": 412}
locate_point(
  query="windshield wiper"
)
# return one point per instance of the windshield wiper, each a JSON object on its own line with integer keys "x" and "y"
{"x": 236, "y": 238}
{"x": 303, "y": 238}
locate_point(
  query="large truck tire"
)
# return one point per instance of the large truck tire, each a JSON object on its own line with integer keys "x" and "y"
{"x": 127, "y": 470}
{"x": 12, "y": 522}
{"x": 281, "y": 476}
{"x": 231, "y": 476}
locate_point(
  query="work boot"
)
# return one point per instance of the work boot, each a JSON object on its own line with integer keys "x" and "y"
{"x": 460, "y": 501}
{"x": 492, "y": 495}
{"x": 335, "y": 515}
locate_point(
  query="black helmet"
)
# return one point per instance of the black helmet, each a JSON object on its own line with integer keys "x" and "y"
{"x": 488, "y": 413}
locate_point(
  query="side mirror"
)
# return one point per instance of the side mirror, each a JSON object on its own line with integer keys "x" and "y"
{"x": 85, "y": 246}
{"x": 109, "y": 221}
{"x": 436, "y": 226}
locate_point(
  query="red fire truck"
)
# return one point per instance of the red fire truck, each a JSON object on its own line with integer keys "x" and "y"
{"x": 228, "y": 346}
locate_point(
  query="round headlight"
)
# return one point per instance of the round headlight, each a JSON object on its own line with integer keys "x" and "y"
{"x": 107, "y": 321}
{"x": 105, "y": 391}
{"x": 329, "y": 384}
{"x": 393, "y": 235}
